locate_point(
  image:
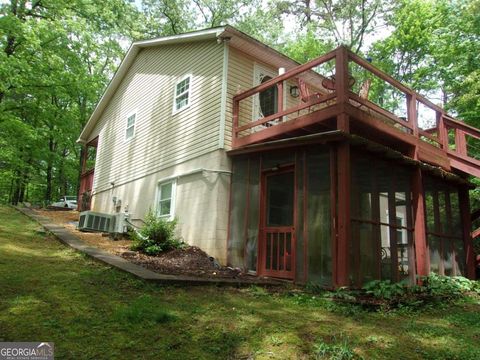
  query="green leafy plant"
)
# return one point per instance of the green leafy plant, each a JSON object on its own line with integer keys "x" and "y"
{"x": 156, "y": 235}
{"x": 385, "y": 289}
{"x": 447, "y": 287}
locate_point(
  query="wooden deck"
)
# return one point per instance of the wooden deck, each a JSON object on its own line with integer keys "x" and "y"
{"x": 445, "y": 143}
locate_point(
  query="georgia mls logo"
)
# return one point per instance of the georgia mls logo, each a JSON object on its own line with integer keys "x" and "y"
{"x": 26, "y": 351}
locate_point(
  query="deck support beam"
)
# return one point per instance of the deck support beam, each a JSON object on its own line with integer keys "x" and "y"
{"x": 464, "y": 200}
{"x": 343, "y": 214}
{"x": 420, "y": 235}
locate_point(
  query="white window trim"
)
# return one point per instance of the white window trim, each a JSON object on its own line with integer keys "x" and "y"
{"x": 125, "y": 139}
{"x": 189, "y": 93}
{"x": 170, "y": 216}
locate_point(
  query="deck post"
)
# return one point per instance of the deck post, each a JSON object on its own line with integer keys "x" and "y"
{"x": 341, "y": 75}
{"x": 343, "y": 214}
{"x": 235, "y": 111}
{"x": 460, "y": 142}
{"x": 442, "y": 131}
{"x": 412, "y": 112}
{"x": 464, "y": 200}
{"x": 420, "y": 235}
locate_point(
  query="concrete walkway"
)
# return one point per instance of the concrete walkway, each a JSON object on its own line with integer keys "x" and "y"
{"x": 120, "y": 263}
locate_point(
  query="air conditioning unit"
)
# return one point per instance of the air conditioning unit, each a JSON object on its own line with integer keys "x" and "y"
{"x": 119, "y": 224}
{"x": 93, "y": 221}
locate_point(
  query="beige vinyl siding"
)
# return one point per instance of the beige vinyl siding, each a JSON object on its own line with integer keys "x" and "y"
{"x": 161, "y": 139}
{"x": 240, "y": 76}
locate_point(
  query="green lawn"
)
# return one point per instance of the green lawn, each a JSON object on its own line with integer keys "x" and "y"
{"x": 51, "y": 293}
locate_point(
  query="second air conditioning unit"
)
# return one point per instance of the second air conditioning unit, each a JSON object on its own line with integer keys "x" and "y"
{"x": 119, "y": 224}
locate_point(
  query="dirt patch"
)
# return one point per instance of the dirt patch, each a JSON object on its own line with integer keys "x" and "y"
{"x": 188, "y": 261}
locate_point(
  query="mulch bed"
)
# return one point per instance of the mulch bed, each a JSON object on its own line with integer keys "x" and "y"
{"x": 188, "y": 261}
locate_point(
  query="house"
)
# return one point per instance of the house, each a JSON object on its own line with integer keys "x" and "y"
{"x": 282, "y": 169}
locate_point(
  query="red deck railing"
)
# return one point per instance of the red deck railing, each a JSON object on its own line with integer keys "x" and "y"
{"x": 451, "y": 137}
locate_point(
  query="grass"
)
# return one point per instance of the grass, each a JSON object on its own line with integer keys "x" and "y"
{"x": 51, "y": 293}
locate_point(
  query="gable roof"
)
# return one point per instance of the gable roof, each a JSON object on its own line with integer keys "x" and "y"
{"x": 236, "y": 38}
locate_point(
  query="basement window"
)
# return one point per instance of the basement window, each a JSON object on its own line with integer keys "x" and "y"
{"x": 182, "y": 94}
{"x": 166, "y": 200}
{"x": 130, "y": 129}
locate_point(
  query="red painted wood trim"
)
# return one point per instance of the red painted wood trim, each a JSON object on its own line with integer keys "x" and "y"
{"x": 261, "y": 259}
{"x": 384, "y": 76}
{"x": 365, "y": 118}
{"x": 467, "y": 237}
{"x": 289, "y": 74}
{"x": 429, "y": 136}
{"x": 382, "y": 111}
{"x": 300, "y": 122}
{"x": 455, "y": 124}
{"x": 341, "y": 74}
{"x": 289, "y": 111}
{"x": 412, "y": 112}
{"x": 460, "y": 142}
{"x": 421, "y": 250}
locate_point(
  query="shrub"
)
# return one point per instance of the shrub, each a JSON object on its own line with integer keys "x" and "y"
{"x": 156, "y": 235}
{"x": 385, "y": 290}
{"x": 447, "y": 287}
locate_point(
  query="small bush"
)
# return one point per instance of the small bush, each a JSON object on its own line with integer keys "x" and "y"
{"x": 156, "y": 235}
{"x": 434, "y": 289}
{"x": 447, "y": 287}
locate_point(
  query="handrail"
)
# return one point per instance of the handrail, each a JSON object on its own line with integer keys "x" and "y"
{"x": 439, "y": 133}
{"x": 287, "y": 75}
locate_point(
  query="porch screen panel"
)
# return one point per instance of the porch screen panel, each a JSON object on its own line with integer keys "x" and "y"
{"x": 319, "y": 254}
{"x": 299, "y": 229}
{"x": 381, "y": 246}
{"x": 444, "y": 228}
{"x": 253, "y": 214}
{"x": 238, "y": 207}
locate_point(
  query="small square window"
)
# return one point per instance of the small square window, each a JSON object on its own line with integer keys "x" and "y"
{"x": 130, "y": 129}
{"x": 182, "y": 94}
{"x": 166, "y": 200}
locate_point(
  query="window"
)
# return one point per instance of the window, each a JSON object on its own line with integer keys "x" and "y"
{"x": 268, "y": 99}
{"x": 182, "y": 94}
{"x": 130, "y": 129}
{"x": 166, "y": 200}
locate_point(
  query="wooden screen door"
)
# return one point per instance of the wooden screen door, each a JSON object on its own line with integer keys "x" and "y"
{"x": 277, "y": 239}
